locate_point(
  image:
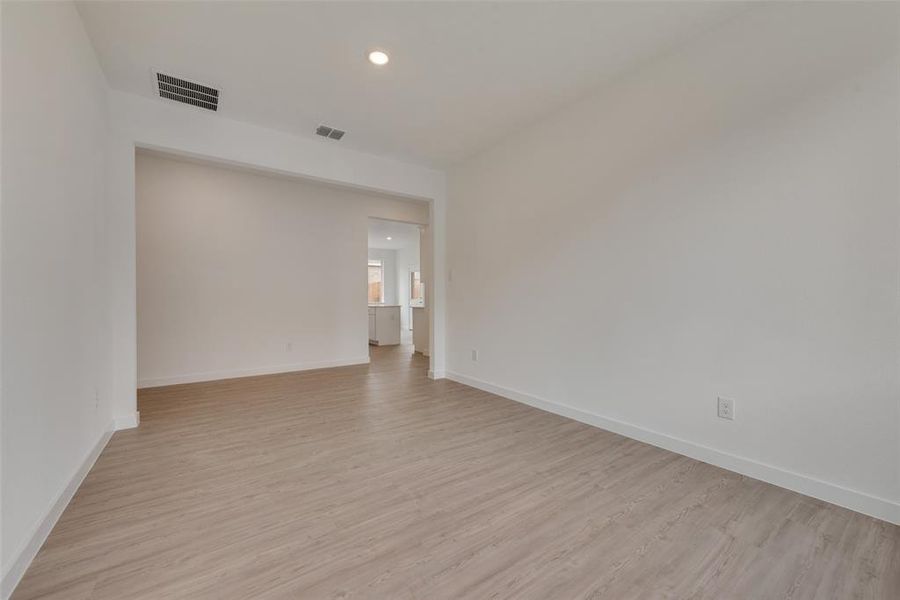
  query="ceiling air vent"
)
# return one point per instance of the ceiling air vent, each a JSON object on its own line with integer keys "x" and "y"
{"x": 188, "y": 92}
{"x": 329, "y": 132}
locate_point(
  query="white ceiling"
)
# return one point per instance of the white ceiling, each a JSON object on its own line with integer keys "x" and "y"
{"x": 462, "y": 74}
{"x": 403, "y": 235}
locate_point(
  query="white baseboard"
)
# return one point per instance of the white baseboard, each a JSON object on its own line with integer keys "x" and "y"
{"x": 127, "y": 421}
{"x": 23, "y": 557}
{"x": 874, "y": 506}
{"x": 437, "y": 374}
{"x": 234, "y": 373}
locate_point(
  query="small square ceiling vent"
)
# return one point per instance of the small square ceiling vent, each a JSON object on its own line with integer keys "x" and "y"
{"x": 188, "y": 92}
{"x": 329, "y": 132}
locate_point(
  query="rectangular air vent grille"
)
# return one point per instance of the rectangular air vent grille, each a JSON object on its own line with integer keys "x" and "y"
{"x": 188, "y": 92}
{"x": 329, "y": 132}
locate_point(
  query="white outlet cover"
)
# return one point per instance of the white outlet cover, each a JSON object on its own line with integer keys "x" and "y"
{"x": 725, "y": 408}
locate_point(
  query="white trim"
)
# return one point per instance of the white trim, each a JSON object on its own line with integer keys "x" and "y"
{"x": 437, "y": 374}
{"x": 127, "y": 422}
{"x": 235, "y": 373}
{"x": 880, "y": 508}
{"x": 23, "y": 557}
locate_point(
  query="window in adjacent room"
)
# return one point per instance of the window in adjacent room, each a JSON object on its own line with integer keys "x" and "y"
{"x": 376, "y": 282}
{"x": 416, "y": 289}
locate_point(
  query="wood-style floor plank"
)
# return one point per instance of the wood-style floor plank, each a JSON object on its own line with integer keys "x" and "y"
{"x": 375, "y": 482}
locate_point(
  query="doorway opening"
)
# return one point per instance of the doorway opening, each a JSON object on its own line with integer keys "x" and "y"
{"x": 396, "y": 285}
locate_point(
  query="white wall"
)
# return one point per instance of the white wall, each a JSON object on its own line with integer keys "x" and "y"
{"x": 722, "y": 221}
{"x": 243, "y": 273}
{"x": 434, "y": 273}
{"x": 388, "y": 260}
{"x": 56, "y": 376}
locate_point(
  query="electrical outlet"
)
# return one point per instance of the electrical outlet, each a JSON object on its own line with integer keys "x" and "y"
{"x": 289, "y": 346}
{"x": 726, "y": 408}
{"x": 474, "y": 355}
{"x": 96, "y": 399}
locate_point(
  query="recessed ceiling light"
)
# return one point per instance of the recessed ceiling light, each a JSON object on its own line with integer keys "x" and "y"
{"x": 377, "y": 57}
{"x": 389, "y": 238}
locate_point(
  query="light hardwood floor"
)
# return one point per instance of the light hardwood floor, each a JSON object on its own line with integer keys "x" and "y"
{"x": 374, "y": 482}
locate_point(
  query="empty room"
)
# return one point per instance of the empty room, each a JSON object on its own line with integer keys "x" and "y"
{"x": 449, "y": 300}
